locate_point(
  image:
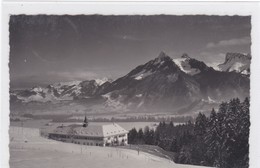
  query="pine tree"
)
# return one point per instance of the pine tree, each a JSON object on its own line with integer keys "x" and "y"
{"x": 171, "y": 125}
{"x": 140, "y": 136}
{"x": 147, "y": 137}
{"x": 212, "y": 138}
{"x": 185, "y": 155}
{"x": 132, "y": 136}
{"x": 200, "y": 125}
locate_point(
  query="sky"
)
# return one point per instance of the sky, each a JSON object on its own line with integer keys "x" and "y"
{"x": 45, "y": 49}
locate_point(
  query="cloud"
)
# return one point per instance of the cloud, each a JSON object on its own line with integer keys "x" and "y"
{"x": 232, "y": 42}
{"x": 205, "y": 53}
{"x": 212, "y": 57}
{"x": 44, "y": 79}
{"x": 73, "y": 75}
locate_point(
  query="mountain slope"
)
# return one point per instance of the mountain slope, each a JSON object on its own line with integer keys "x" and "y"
{"x": 190, "y": 65}
{"x": 158, "y": 83}
{"x": 162, "y": 84}
{"x": 222, "y": 86}
{"x": 60, "y": 91}
{"x": 236, "y": 62}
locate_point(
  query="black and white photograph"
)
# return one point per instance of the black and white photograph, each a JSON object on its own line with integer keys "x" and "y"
{"x": 132, "y": 91}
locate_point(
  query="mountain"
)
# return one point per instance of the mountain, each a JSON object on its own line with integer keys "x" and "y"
{"x": 163, "y": 84}
{"x": 61, "y": 91}
{"x": 166, "y": 83}
{"x": 158, "y": 83}
{"x": 236, "y": 62}
{"x": 190, "y": 65}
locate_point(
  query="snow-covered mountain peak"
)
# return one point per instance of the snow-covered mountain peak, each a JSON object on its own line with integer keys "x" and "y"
{"x": 236, "y": 62}
{"x": 162, "y": 64}
{"x": 185, "y": 56}
{"x": 102, "y": 81}
{"x": 241, "y": 56}
{"x": 161, "y": 58}
{"x": 70, "y": 83}
{"x": 159, "y": 84}
{"x": 189, "y": 65}
{"x": 162, "y": 55}
{"x": 62, "y": 91}
{"x": 37, "y": 89}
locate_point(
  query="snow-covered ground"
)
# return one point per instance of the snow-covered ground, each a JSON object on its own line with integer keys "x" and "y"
{"x": 29, "y": 150}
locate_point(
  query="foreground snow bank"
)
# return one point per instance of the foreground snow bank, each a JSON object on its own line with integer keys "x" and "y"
{"x": 29, "y": 150}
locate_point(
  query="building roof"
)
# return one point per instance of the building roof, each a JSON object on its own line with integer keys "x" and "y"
{"x": 91, "y": 130}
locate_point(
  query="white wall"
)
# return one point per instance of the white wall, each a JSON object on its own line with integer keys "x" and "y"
{"x": 94, "y": 142}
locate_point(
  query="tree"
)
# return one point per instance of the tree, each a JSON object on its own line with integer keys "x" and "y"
{"x": 147, "y": 135}
{"x": 220, "y": 140}
{"x": 185, "y": 156}
{"x": 200, "y": 125}
{"x": 151, "y": 137}
{"x": 140, "y": 136}
{"x": 174, "y": 145}
{"x": 212, "y": 137}
{"x": 171, "y": 125}
{"x": 227, "y": 135}
{"x": 132, "y": 136}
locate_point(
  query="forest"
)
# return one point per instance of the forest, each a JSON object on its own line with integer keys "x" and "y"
{"x": 219, "y": 140}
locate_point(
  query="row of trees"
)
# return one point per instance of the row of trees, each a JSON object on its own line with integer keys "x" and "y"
{"x": 67, "y": 118}
{"x": 220, "y": 140}
{"x": 179, "y": 119}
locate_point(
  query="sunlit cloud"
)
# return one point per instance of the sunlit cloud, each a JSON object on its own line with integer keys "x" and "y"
{"x": 74, "y": 75}
{"x": 231, "y": 42}
{"x": 212, "y": 57}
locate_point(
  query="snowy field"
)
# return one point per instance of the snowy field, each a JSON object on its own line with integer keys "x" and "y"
{"x": 29, "y": 150}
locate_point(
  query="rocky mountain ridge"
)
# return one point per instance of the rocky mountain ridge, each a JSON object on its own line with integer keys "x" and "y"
{"x": 163, "y": 83}
{"x": 236, "y": 62}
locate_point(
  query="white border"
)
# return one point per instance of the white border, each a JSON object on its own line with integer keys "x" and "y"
{"x": 131, "y": 8}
